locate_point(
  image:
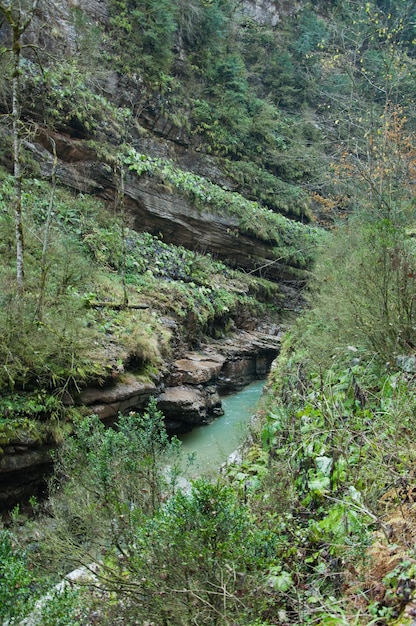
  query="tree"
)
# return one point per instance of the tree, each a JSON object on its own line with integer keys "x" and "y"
{"x": 365, "y": 279}
{"x": 49, "y": 215}
{"x": 18, "y": 16}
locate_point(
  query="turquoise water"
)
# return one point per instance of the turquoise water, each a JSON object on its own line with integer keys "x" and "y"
{"x": 213, "y": 443}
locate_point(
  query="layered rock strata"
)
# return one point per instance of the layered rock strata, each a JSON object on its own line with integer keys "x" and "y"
{"x": 189, "y": 393}
{"x": 157, "y": 208}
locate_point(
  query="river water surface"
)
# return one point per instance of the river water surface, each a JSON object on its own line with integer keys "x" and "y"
{"x": 212, "y": 444}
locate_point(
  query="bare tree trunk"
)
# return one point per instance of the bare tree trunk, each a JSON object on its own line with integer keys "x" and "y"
{"x": 43, "y": 262}
{"x": 18, "y": 19}
{"x": 120, "y": 204}
{"x": 17, "y": 165}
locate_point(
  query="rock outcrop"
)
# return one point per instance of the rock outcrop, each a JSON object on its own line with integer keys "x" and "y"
{"x": 23, "y": 467}
{"x": 189, "y": 393}
{"x": 196, "y": 379}
{"x": 161, "y": 210}
{"x": 268, "y": 11}
{"x": 185, "y": 406}
{"x": 130, "y": 394}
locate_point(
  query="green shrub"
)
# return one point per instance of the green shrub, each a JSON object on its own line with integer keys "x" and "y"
{"x": 15, "y": 580}
{"x": 202, "y": 555}
{"x": 142, "y": 36}
{"x": 115, "y": 478}
{"x": 63, "y": 607}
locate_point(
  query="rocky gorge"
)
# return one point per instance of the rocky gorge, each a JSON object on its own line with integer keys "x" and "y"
{"x": 96, "y": 130}
{"x": 203, "y": 202}
{"x": 187, "y": 392}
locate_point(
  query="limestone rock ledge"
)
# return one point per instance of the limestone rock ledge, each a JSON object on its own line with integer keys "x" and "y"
{"x": 248, "y": 356}
{"x": 197, "y": 378}
{"x": 108, "y": 402}
{"x": 155, "y": 207}
{"x": 188, "y": 394}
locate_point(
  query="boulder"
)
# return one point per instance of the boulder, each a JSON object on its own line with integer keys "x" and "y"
{"x": 185, "y": 406}
{"x": 195, "y": 368}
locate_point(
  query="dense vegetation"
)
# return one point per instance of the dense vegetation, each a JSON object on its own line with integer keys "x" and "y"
{"x": 96, "y": 308}
{"x": 316, "y": 525}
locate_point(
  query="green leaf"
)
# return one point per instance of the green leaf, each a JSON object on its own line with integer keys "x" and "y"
{"x": 281, "y": 580}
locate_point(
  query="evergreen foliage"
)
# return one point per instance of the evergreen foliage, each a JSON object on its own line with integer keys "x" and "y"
{"x": 148, "y": 28}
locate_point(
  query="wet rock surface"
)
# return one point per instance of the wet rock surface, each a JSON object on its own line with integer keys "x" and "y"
{"x": 185, "y": 407}
{"x": 197, "y": 378}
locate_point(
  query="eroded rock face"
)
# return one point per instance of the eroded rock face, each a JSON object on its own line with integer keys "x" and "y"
{"x": 121, "y": 397}
{"x": 195, "y": 368}
{"x": 268, "y": 11}
{"x": 188, "y": 395}
{"x": 153, "y": 207}
{"x": 157, "y": 208}
{"x": 23, "y": 468}
{"x": 248, "y": 356}
{"x": 195, "y": 380}
{"x": 185, "y": 406}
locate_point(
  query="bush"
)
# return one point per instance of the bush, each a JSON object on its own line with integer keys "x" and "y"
{"x": 107, "y": 482}
{"x": 201, "y": 558}
{"x": 15, "y": 580}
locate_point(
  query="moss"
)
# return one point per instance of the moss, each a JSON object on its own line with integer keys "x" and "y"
{"x": 26, "y": 432}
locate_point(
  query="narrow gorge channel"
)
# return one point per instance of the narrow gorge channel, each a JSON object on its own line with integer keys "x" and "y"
{"x": 213, "y": 443}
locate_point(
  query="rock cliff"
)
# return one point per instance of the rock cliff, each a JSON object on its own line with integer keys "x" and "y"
{"x": 189, "y": 391}
{"x": 86, "y": 148}
{"x": 269, "y": 11}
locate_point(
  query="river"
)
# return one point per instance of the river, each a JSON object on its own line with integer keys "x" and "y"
{"x": 213, "y": 443}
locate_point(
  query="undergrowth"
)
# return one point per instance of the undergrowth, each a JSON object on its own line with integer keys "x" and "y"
{"x": 335, "y": 443}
